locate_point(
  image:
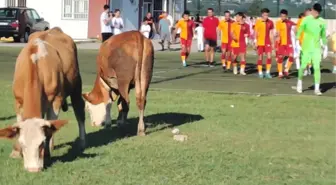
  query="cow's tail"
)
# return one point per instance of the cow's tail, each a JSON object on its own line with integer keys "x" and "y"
{"x": 146, "y": 71}
{"x": 32, "y": 85}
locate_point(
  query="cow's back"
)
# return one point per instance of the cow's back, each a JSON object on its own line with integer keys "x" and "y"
{"x": 120, "y": 55}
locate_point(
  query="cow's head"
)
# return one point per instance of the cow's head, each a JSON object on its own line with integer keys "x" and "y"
{"x": 99, "y": 111}
{"x": 31, "y": 137}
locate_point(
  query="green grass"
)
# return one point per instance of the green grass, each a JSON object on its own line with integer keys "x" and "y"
{"x": 275, "y": 140}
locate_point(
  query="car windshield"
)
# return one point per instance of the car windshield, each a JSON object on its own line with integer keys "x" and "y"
{"x": 8, "y": 13}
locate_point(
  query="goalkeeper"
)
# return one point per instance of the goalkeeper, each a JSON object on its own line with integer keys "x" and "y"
{"x": 314, "y": 29}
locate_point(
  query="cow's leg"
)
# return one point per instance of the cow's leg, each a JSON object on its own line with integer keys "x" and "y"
{"x": 78, "y": 105}
{"x": 18, "y": 110}
{"x": 52, "y": 114}
{"x": 140, "y": 94}
{"x": 123, "y": 103}
{"x": 16, "y": 149}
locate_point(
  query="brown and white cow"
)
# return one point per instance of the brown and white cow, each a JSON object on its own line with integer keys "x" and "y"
{"x": 46, "y": 72}
{"x": 124, "y": 61}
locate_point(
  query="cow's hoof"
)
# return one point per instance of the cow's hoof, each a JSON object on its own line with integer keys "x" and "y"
{"x": 15, "y": 155}
{"x": 141, "y": 134}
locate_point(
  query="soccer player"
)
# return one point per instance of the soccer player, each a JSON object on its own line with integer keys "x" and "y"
{"x": 240, "y": 31}
{"x": 314, "y": 29}
{"x": 225, "y": 28}
{"x": 264, "y": 41}
{"x": 187, "y": 27}
{"x": 210, "y": 24}
{"x": 286, "y": 46}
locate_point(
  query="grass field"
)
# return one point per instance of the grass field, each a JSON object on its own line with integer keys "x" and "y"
{"x": 269, "y": 136}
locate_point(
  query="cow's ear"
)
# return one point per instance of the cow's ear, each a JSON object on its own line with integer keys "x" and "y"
{"x": 9, "y": 132}
{"x": 86, "y": 97}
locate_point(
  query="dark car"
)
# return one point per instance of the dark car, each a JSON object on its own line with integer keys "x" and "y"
{"x": 20, "y": 22}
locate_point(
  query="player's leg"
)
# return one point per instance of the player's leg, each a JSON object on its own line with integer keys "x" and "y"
{"x": 183, "y": 52}
{"x": 305, "y": 58}
{"x": 223, "y": 56}
{"x": 281, "y": 52}
{"x": 316, "y": 61}
{"x": 260, "y": 51}
{"x": 268, "y": 63}
{"x": 207, "y": 50}
{"x": 213, "y": 45}
{"x": 334, "y": 58}
{"x": 290, "y": 60}
{"x": 228, "y": 57}
{"x": 234, "y": 60}
{"x": 188, "y": 48}
{"x": 242, "y": 63}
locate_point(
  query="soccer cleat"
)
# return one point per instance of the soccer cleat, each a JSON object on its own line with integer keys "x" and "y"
{"x": 317, "y": 92}
{"x": 235, "y": 70}
{"x": 281, "y": 76}
{"x": 299, "y": 89}
{"x": 184, "y": 64}
{"x": 261, "y": 75}
{"x": 268, "y": 76}
{"x": 242, "y": 72}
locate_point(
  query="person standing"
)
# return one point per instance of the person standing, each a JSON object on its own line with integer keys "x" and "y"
{"x": 298, "y": 59}
{"x": 199, "y": 35}
{"x": 286, "y": 48}
{"x": 145, "y": 29}
{"x": 333, "y": 41}
{"x": 314, "y": 29}
{"x": 225, "y": 28}
{"x": 187, "y": 27}
{"x": 164, "y": 25}
{"x": 105, "y": 23}
{"x": 117, "y": 22}
{"x": 150, "y": 22}
{"x": 210, "y": 24}
{"x": 264, "y": 41}
{"x": 240, "y": 31}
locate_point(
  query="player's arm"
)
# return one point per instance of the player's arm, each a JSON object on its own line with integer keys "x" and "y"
{"x": 324, "y": 35}
{"x": 177, "y": 26}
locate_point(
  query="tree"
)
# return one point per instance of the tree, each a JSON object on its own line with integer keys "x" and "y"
{"x": 255, "y": 7}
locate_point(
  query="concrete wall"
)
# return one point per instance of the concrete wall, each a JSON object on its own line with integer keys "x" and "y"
{"x": 51, "y": 11}
{"x": 95, "y": 10}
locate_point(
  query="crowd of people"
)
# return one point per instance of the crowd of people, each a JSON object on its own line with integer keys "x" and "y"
{"x": 304, "y": 42}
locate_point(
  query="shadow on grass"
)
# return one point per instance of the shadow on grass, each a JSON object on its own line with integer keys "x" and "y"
{"x": 154, "y": 123}
{"x": 7, "y": 118}
{"x": 324, "y": 86}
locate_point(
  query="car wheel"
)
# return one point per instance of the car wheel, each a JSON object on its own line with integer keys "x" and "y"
{"x": 17, "y": 39}
{"x": 26, "y": 36}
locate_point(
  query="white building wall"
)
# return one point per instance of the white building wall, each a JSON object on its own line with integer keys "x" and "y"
{"x": 2, "y": 3}
{"x": 51, "y": 11}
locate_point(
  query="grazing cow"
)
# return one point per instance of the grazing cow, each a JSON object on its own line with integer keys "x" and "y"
{"x": 124, "y": 61}
{"x": 46, "y": 72}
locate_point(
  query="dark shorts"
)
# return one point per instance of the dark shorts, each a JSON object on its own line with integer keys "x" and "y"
{"x": 210, "y": 42}
{"x": 106, "y": 36}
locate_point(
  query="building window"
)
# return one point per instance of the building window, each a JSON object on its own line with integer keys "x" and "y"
{"x": 75, "y": 9}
